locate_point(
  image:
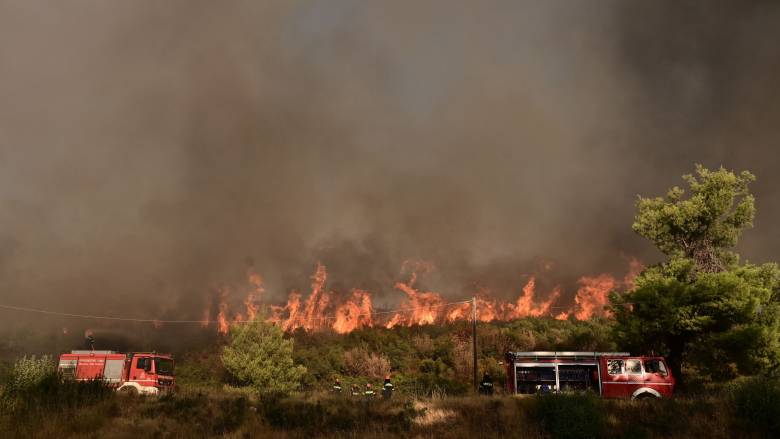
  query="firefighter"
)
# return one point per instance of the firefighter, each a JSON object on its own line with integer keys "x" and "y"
{"x": 89, "y": 341}
{"x": 355, "y": 390}
{"x": 337, "y": 386}
{"x": 486, "y": 385}
{"x": 387, "y": 388}
{"x": 369, "y": 393}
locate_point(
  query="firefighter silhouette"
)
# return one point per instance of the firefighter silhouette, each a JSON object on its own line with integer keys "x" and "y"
{"x": 387, "y": 388}
{"x": 369, "y": 393}
{"x": 486, "y": 385}
{"x": 89, "y": 341}
{"x": 355, "y": 390}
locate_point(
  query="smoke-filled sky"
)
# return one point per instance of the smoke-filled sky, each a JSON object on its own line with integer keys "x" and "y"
{"x": 151, "y": 150}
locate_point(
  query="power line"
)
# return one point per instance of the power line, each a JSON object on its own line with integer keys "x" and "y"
{"x": 202, "y": 322}
{"x": 210, "y": 322}
{"x": 87, "y": 316}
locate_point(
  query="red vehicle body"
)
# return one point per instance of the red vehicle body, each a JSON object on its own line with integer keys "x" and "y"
{"x": 610, "y": 374}
{"x": 137, "y": 372}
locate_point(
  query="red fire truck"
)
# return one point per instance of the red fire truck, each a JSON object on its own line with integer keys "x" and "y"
{"x": 145, "y": 373}
{"x": 609, "y": 374}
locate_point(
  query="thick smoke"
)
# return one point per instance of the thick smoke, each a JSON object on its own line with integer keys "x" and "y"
{"x": 150, "y": 151}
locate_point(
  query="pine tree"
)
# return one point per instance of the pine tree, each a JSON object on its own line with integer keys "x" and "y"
{"x": 259, "y": 355}
{"x": 701, "y": 307}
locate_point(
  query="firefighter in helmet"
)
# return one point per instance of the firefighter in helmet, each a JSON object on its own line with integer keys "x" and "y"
{"x": 486, "y": 385}
{"x": 387, "y": 388}
{"x": 369, "y": 393}
{"x": 337, "y": 386}
{"x": 355, "y": 390}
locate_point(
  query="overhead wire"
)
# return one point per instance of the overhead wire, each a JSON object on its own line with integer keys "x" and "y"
{"x": 202, "y": 322}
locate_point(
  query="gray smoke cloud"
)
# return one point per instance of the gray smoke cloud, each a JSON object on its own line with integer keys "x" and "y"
{"x": 150, "y": 151}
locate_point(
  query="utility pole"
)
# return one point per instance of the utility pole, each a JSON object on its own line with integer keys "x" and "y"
{"x": 474, "y": 337}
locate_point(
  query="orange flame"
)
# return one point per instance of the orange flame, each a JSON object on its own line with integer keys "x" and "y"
{"x": 355, "y": 313}
{"x": 222, "y": 322}
{"x": 525, "y": 305}
{"x": 592, "y": 296}
{"x": 322, "y": 309}
{"x": 251, "y": 299}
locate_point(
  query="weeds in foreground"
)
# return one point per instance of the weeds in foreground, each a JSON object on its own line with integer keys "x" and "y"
{"x": 746, "y": 410}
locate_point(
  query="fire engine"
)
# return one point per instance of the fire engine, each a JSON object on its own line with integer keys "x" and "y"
{"x": 609, "y": 374}
{"x": 147, "y": 373}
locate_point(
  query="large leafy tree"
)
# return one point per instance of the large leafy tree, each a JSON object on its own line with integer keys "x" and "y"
{"x": 260, "y": 356}
{"x": 701, "y": 307}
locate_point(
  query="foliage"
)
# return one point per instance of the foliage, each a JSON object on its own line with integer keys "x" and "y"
{"x": 29, "y": 372}
{"x": 216, "y": 414}
{"x": 412, "y": 352}
{"x": 260, "y": 356}
{"x": 570, "y": 416}
{"x": 701, "y": 305}
{"x": 33, "y": 391}
{"x": 756, "y": 404}
{"x": 334, "y": 414}
{"x": 359, "y": 362}
{"x": 703, "y": 226}
{"x": 202, "y": 369}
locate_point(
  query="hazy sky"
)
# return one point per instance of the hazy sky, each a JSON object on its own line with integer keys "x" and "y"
{"x": 150, "y": 150}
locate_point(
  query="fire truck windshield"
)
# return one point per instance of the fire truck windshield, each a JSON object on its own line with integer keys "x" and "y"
{"x": 163, "y": 366}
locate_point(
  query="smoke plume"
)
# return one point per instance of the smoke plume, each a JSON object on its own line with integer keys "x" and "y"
{"x": 152, "y": 152}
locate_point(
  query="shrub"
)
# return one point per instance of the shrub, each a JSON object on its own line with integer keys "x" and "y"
{"x": 232, "y": 414}
{"x": 570, "y": 416}
{"x": 29, "y": 372}
{"x": 359, "y": 362}
{"x": 259, "y": 355}
{"x": 756, "y": 403}
{"x": 331, "y": 415}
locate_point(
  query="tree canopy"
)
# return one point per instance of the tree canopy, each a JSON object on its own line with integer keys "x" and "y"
{"x": 704, "y": 225}
{"x": 701, "y": 306}
{"x": 260, "y": 356}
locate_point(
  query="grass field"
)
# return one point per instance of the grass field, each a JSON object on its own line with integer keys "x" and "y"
{"x": 235, "y": 414}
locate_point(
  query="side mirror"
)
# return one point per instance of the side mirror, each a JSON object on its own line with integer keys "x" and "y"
{"x": 148, "y": 366}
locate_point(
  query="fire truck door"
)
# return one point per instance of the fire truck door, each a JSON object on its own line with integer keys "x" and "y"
{"x": 623, "y": 376}
{"x": 141, "y": 367}
{"x": 657, "y": 376}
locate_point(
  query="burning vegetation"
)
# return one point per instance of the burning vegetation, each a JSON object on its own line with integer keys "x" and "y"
{"x": 323, "y": 309}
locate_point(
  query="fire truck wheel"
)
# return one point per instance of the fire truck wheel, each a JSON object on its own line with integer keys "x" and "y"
{"x": 129, "y": 390}
{"x": 645, "y": 396}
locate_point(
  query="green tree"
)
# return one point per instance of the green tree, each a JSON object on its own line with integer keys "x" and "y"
{"x": 260, "y": 356}
{"x": 701, "y": 306}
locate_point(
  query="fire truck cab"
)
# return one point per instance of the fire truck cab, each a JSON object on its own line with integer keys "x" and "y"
{"x": 145, "y": 373}
{"x": 609, "y": 374}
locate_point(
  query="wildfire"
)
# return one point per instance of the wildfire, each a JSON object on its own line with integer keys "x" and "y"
{"x": 355, "y": 313}
{"x": 592, "y": 296}
{"x": 322, "y": 309}
{"x": 222, "y": 322}
{"x": 422, "y": 307}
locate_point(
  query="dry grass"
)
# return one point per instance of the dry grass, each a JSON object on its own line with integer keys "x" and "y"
{"x": 216, "y": 413}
